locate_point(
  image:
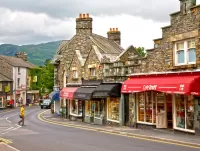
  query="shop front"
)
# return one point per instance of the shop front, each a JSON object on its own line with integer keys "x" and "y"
{"x": 85, "y": 104}
{"x": 164, "y": 100}
{"x": 67, "y": 102}
{"x": 82, "y": 103}
{"x": 106, "y": 103}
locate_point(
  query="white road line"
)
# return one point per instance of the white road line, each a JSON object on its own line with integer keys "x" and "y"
{"x": 8, "y": 120}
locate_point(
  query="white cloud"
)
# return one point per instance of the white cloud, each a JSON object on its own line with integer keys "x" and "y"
{"x": 18, "y": 27}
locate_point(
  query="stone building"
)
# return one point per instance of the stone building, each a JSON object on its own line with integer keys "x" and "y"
{"x": 162, "y": 91}
{"x": 78, "y": 62}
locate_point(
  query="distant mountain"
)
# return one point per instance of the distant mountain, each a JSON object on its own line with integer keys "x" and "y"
{"x": 37, "y": 54}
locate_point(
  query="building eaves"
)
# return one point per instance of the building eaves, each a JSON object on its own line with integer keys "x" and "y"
{"x": 4, "y": 78}
{"x": 16, "y": 62}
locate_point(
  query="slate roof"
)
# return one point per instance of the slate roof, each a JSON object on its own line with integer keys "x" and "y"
{"x": 106, "y": 45}
{"x": 17, "y": 62}
{"x": 62, "y": 45}
{"x": 101, "y": 56}
{"x": 4, "y": 78}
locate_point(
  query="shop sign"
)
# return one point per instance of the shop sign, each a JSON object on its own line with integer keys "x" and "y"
{"x": 81, "y": 95}
{"x": 7, "y": 89}
{"x": 150, "y": 87}
{"x": 66, "y": 94}
{"x": 181, "y": 87}
{"x": 35, "y": 79}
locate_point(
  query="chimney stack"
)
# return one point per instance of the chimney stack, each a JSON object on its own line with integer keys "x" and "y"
{"x": 84, "y": 24}
{"x": 22, "y": 55}
{"x": 115, "y": 35}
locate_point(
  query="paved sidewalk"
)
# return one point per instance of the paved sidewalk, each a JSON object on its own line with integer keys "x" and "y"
{"x": 170, "y": 136}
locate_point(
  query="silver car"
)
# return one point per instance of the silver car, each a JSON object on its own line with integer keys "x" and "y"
{"x": 46, "y": 104}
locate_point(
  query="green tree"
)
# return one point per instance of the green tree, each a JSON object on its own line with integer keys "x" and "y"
{"x": 141, "y": 51}
{"x": 45, "y": 77}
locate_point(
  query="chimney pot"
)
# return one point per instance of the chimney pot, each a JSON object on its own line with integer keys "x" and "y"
{"x": 87, "y": 15}
{"x": 83, "y": 15}
{"x": 116, "y": 29}
{"x": 113, "y": 29}
{"x": 110, "y": 29}
{"x": 80, "y": 15}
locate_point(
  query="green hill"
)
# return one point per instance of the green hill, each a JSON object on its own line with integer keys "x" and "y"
{"x": 37, "y": 54}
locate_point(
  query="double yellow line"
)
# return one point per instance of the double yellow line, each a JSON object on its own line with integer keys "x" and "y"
{"x": 5, "y": 140}
{"x": 136, "y": 136}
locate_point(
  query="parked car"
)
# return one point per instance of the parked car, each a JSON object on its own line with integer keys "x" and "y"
{"x": 46, "y": 104}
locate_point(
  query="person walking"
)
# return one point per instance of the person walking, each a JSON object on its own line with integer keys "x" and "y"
{"x": 22, "y": 115}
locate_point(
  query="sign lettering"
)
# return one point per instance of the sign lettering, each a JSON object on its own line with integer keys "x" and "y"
{"x": 149, "y": 87}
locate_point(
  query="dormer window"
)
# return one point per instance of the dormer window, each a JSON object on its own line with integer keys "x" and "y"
{"x": 75, "y": 74}
{"x": 92, "y": 72}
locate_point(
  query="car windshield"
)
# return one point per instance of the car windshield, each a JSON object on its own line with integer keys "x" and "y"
{"x": 47, "y": 101}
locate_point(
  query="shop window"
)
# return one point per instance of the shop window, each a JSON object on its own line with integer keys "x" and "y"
{"x": 76, "y": 107}
{"x": 113, "y": 109}
{"x": 99, "y": 108}
{"x": 184, "y": 112}
{"x": 146, "y": 108}
{"x": 141, "y": 100}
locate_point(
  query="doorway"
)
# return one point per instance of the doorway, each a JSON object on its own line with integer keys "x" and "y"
{"x": 161, "y": 115}
{"x": 169, "y": 111}
{"x": 126, "y": 109}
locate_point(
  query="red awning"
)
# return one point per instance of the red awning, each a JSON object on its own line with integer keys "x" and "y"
{"x": 179, "y": 84}
{"x": 68, "y": 93}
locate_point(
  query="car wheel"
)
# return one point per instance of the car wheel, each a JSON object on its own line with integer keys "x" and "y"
{"x": 41, "y": 107}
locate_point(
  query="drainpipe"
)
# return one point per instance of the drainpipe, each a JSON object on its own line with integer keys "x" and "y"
{"x": 121, "y": 110}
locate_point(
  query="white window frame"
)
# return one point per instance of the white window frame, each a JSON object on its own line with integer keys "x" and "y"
{"x": 175, "y": 115}
{"x": 186, "y": 57}
{"x": 75, "y": 73}
{"x": 71, "y": 113}
{"x": 18, "y": 82}
{"x": 137, "y": 108}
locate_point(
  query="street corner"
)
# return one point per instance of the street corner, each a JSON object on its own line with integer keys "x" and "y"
{"x": 6, "y": 147}
{"x": 3, "y": 140}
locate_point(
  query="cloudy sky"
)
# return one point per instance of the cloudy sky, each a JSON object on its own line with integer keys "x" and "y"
{"x": 37, "y": 21}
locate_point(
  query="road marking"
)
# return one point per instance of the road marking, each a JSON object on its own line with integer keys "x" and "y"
{"x": 15, "y": 149}
{"x": 136, "y": 136}
{"x": 5, "y": 140}
{"x": 8, "y": 120}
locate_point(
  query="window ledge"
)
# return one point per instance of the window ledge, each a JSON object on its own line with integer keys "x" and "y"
{"x": 186, "y": 66}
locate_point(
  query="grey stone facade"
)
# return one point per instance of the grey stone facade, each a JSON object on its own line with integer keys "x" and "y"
{"x": 184, "y": 25}
{"x": 83, "y": 51}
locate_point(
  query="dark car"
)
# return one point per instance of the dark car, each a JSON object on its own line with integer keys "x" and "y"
{"x": 46, "y": 104}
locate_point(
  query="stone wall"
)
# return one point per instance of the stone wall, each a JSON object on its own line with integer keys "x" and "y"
{"x": 75, "y": 65}
{"x": 162, "y": 57}
{"x": 92, "y": 60}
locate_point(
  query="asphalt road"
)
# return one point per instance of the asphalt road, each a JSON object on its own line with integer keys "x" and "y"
{"x": 39, "y": 136}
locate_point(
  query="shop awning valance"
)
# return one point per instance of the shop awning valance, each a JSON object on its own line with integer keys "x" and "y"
{"x": 178, "y": 84}
{"x": 84, "y": 93}
{"x": 106, "y": 90}
{"x": 68, "y": 92}
{"x": 54, "y": 95}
